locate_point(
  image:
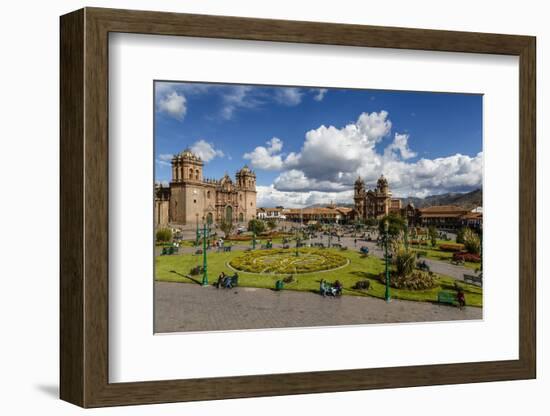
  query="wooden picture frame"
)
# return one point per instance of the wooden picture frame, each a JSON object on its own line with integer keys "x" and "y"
{"x": 84, "y": 207}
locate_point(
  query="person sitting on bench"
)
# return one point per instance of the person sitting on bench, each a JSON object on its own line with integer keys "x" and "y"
{"x": 227, "y": 282}
{"x": 461, "y": 298}
{"x": 323, "y": 288}
{"x": 337, "y": 288}
{"x": 220, "y": 279}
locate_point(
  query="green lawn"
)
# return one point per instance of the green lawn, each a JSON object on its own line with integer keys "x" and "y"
{"x": 434, "y": 253}
{"x": 176, "y": 268}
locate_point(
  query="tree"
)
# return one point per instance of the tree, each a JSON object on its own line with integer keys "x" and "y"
{"x": 271, "y": 224}
{"x": 460, "y": 235}
{"x": 472, "y": 243}
{"x": 432, "y": 232}
{"x": 226, "y": 226}
{"x": 256, "y": 226}
{"x": 396, "y": 224}
{"x": 164, "y": 235}
{"x": 372, "y": 222}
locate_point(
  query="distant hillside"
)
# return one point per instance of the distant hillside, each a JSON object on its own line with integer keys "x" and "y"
{"x": 468, "y": 200}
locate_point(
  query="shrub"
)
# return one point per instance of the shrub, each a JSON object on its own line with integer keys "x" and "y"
{"x": 464, "y": 256}
{"x": 417, "y": 280}
{"x": 460, "y": 235}
{"x": 164, "y": 234}
{"x": 404, "y": 262}
{"x": 362, "y": 285}
{"x": 451, "y": 247}
{"x": 472, "y": 244}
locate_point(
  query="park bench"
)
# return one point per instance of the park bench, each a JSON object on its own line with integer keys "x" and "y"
{"x": 286, "y": 246}
{"x": 457, "y": 262}
{"x": 474, "y": 280}
{"x": 422, "y": 265}
{"x": 226, "y": 249}
{"x": 196, "y": 270}
{"x": 336, "y": 245}
{"x": 364, "y": 250}
{"x": 169, "y": 250}
{"x": 447, "y": 297}
{"x": 234, "y": 281}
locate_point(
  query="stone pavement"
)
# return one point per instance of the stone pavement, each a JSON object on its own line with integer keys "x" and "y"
{"x": 188, "y": 307}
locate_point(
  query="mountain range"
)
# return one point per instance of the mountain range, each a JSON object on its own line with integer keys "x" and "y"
{"x": 468, "y": 200}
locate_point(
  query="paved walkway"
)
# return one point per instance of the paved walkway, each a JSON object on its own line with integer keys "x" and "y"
{"x": 189, "y": 307}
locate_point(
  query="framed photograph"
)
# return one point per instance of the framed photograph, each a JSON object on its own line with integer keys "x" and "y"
{"x": 256, "y": 207}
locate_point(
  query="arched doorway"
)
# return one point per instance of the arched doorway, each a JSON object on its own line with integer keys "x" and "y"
{"x": 241, "y": 217}
{"x": 229, "y": 213}
{"x": 209, "y": 218}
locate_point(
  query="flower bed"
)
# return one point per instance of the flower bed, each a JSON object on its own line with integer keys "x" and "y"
{"x": 281, "y": 261}
{"x": 463, "y": 256}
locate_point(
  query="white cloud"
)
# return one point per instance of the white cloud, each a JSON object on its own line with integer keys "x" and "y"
{"x": 331, "y": 159}
{"x": 401, "y": 144}
{"x": 174, "y": 104}
{"x": 288, "y": 96}
{"x": 321, "y": 92}
{"x": 263, "y": 157}
{"x": 296, "y": 180}
{"x": 164, "y": 159}
{"x": 238, "y": 97}
{"x": 269, "y": 196}
{"x": 206, "y": 151}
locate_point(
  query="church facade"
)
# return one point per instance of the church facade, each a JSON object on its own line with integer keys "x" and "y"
{"x": 190, "y": 198}
{"x": 374, "y": 203}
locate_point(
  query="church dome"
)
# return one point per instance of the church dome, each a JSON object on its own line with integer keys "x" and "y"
{"x": 188, "y": 154}
{"x": 382, "y": 182}
{"x": 245, "y": 171}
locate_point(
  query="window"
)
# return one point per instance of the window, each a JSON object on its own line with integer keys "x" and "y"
{"x": 197, "y": 174}
{"x": 194, "y": 201}
{"x": 208, "y": 194}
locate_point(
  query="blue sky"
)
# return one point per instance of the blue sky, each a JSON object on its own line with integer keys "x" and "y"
{"x": 308, "y": 145}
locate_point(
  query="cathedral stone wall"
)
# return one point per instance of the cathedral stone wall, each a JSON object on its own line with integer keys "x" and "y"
{"x": 190, "y": 198}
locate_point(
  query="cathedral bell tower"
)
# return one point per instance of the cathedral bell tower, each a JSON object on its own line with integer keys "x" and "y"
{"x": 186, "y": 167}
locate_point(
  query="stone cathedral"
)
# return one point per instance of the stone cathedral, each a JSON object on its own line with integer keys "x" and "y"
{"x": 374, "y": 203}
{"x": 190, "y": 197}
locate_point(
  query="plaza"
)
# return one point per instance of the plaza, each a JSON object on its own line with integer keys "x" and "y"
{"x": 182, "y": 299}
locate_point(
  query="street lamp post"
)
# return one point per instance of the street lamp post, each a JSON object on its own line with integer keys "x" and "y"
{"x": 387, "y": 294}
{"x": 204, "y": 261}
{"x": 406, "y": 234}
{"x": 197, "y": 235}
{"x": 254, "y": 240}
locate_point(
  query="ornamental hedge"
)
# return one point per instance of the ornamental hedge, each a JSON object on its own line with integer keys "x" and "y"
{"x": 463, "y": 256}
{"x": 451, "y": 247}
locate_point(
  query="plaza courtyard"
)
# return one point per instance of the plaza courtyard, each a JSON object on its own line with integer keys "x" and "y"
{"x": 183, "y": 303}
{"x": 349, "y": 268}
